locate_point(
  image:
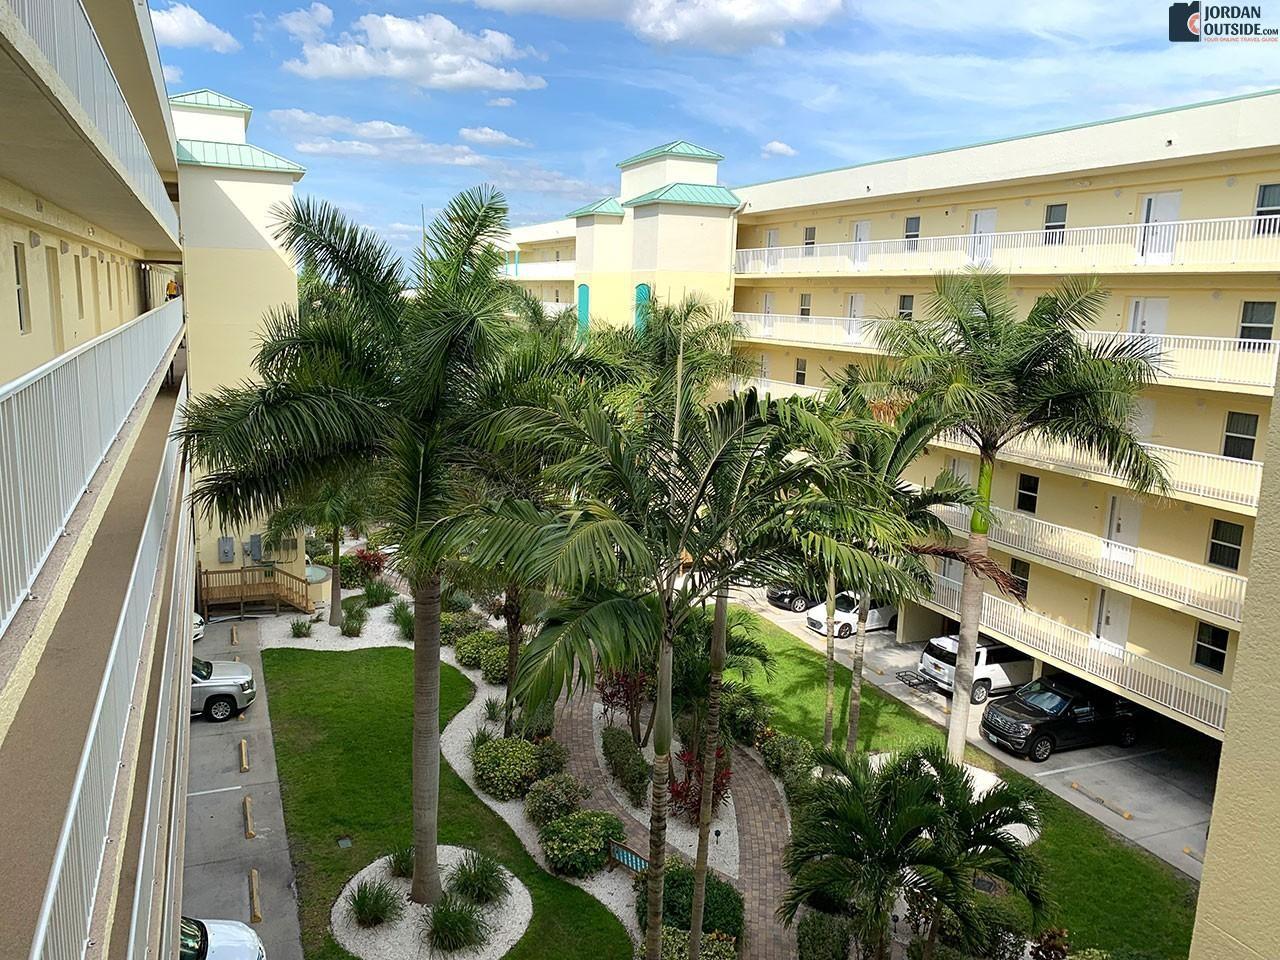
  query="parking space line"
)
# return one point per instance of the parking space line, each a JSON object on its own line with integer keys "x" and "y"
{"x": 1099, "y": 763}
{"x": 201, "y": 793}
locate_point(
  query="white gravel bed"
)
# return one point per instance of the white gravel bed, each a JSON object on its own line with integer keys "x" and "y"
{"x": 401, "y": 939}
{"x": 722, "y": 855}
{"x": 379, "y": 631}
{"x": 610, "y": 887}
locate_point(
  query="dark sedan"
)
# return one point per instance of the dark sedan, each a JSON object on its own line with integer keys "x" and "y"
{"x": 1056, "y": 713}
{"x": 789, "y": 598}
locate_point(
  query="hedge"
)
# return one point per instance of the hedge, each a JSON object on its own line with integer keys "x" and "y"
{"x": 722, "y": 911}
{"x": 505, "y": 768}
{"x": 823, "y": 936}
{"x": 626, "y": 763}
{"x": 577, "y": 845}
{"x": 470, "y": 649}
{"x": 554, "y": 797}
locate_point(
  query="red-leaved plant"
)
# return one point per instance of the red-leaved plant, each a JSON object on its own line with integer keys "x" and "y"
{"x": 686, "y": 794}
{"x": 371, "y": 562}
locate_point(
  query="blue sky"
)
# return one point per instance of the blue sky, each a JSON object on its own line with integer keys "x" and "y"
{"x": 397, "y": 104}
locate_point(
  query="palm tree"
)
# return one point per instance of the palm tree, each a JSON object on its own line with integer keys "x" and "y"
{"x": 996, "y": 379}
{"x": 378, "y": 381}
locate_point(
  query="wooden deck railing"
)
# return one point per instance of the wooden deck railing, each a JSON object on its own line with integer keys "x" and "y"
{"x": 258, "y": 585}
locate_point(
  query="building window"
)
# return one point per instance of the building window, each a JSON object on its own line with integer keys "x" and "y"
{"x": 1055, "y": 222}
{"x": 1021, "y": 571}
{"x": 1211, "y": 647}
{"x": 20, "y": 288}
{"x": 1257, "y": 320}
{"x": 79, "y": 290}
{"x": 911, "y": 233}
{"x": 557, "y": 256}
{"x": 1028, "y": 492}
{"x": 806, "y": 304}
{"x": 801, "y": 370}
{"x": 1240, "y": 435}
{"x": 906, "y": 306}
{"x": 1226, "y": 540}
{"x": 1268, "y": 208}
{"x": 810, "y": 240}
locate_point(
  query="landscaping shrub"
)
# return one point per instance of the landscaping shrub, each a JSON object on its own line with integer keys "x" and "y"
{"x": 378, "y": 592}
{"x": 300, "y": 628}
{"x": 576, "y": 845}
{"x": 354, "y": 602}
{"x": 320, "y": 551}
{"x": 715, "y": 946}
{"x": 746, "y": 717}
{"x": 479, "y": 879}
{"x": 797, "y": 783}
{"x": 493, "y": 664}
{"x": 370, "y": 564}
{"x": 350, "y": 572}
{"x": 823, "y": 936}
{"x": 686, "y": 794}
{"x": 454, "y": 626}
{"x": 401, "y": 861}
{"x": 454, "y": 600}
{"x": 552, "y": 757}
{"x": 1006, "y": 928}
{"x": 783, "y": 751}
{"x": 554, "y": 797}
{"x": 353, "y": 622}
{"x": 537, "y": 723}
{"x": 479, "y": 737}
{"x": 470, "y": 649}
{"x": 453, "y": 924}
{"x": 626, "y": 763}
{"x": 493, "y": 708}
{"x": 402, "y": 615}
{"x": 505, "y": 767}
{"x": 373, "y": 902}
{"x": 722, "y": 910}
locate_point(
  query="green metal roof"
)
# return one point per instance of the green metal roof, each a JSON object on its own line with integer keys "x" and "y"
{"x": 236, "y": 156}
{"x": 604, "y": 207}
{"x": 206, "y": 99}
{"x": 676, "y": 148}
{"x": 690, "y": 194}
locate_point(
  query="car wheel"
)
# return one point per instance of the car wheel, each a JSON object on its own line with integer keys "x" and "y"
{"x": 1041, "y": 748}
{"x": 1128, "y": 737}
{"x": 980, "y": 692}
{"x": 219, "y": 709}
{"x": 893, "y": 622}
{"x": 798, "y": 605}
{"x": 844, "y": 631}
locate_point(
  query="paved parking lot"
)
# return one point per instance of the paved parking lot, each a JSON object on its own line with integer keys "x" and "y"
{"x": 1165, "y": 783}
{"x": 219, "y": 857}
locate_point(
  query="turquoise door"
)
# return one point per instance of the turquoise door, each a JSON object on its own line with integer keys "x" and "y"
{"x": 584, "y": 309}
{"x": 642, "y": 305}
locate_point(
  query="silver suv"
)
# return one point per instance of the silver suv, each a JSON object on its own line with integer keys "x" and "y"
{"x": 220, "y": 688}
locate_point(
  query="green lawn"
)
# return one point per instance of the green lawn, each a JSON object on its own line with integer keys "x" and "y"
{"x": 342, "y": 725}
{"x": 1109, "y": 893}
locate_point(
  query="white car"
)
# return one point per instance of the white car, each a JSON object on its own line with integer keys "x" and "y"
{"x": 882, "y": 615}
{"x": 218, "y": 940}
{"x": 996, "y": 667}
{"x": 197, "y": 627}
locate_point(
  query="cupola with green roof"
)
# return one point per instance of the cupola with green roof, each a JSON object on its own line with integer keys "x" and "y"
{"x": 677, "y": 162}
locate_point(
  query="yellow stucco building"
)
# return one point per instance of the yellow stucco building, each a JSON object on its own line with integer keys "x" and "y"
{"x": 1177, "y": 212}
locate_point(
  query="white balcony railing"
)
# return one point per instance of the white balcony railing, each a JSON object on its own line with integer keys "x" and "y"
{"x": 1192, "y": 584}
{"x": 551, "y": 308}
{"x": 1222, "y": 360}
{"x": 1096, "y": 658}
{"x": 778, "y": 388}
{"x": 56, "y": 424}
{"x": 64, "y": 34}
{"x": 540, "y": 270}
{"x": 63, "y": 925}
{"x": 1233, "y": 242}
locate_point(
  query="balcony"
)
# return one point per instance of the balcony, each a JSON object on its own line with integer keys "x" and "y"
{"x": 64, "y": 35}
{"x": 540, "y": 270}
{"x": 1139, "y": 677}
{"x": 551, "y": 308}
{"x": 1203, "y": 477}
{"x": 1219, "y": 245}
{"x": 1227, "y": 362}
{"x": 1205, "y": 589}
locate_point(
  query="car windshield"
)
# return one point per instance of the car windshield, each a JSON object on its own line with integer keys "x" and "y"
{"x": 846, "y": 603}
{"x": 940, "y": 653}
{"x": 191, "y": 944}
{"x": 201, "y": 668}
{"x": 1037, "y": 693}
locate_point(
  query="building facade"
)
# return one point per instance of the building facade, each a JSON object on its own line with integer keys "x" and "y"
{"x": 111, "y": 200}
{"x": 1176, "y": 212}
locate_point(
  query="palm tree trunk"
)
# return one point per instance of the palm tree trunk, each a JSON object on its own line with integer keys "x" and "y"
{"x": 426, "y": 738}
{"x": 935, "y": 925}
{"x": 855, "y": 681}
{"x": 719, "y": 630}
{"x": 511, "y": 614}
{"x": 659, "y": 801}
{"x": 970, "y": 613}
{"x": 828, "y": 724}
{"x": 335, "y": 581}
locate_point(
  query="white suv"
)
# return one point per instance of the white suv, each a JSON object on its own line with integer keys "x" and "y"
{"x": 996, "y": 667}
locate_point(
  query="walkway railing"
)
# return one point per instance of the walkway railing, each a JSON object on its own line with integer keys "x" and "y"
{"x": 56, "y": 424}
{"x": 551, "y": 308}
{"x": 63, "y": 32}
{"x": 1223, "y": 360}
{"x": 1240, "y": 242}
{"x": 63, "y": 925}
{"x": 1138, "y": 675}
{"x": 540, "y": 270}
{"x": 1192, "y": 584}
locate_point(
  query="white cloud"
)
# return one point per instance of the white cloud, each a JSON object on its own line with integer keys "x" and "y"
{"x": 500, "y": 102}
{"x": 429, "y": 51}
{"x": 172, "y": 74}
{"x": 298, "y": 121}
{"x": 329, "y": 135}
{"x": 532, "y": 178}
{"x": 489, "y": 137}
{"x": 776, "y": 148}
{"x": 722, "y": 25}
{"x": 307, "y": 24}
{"x": 180, "y": 25}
